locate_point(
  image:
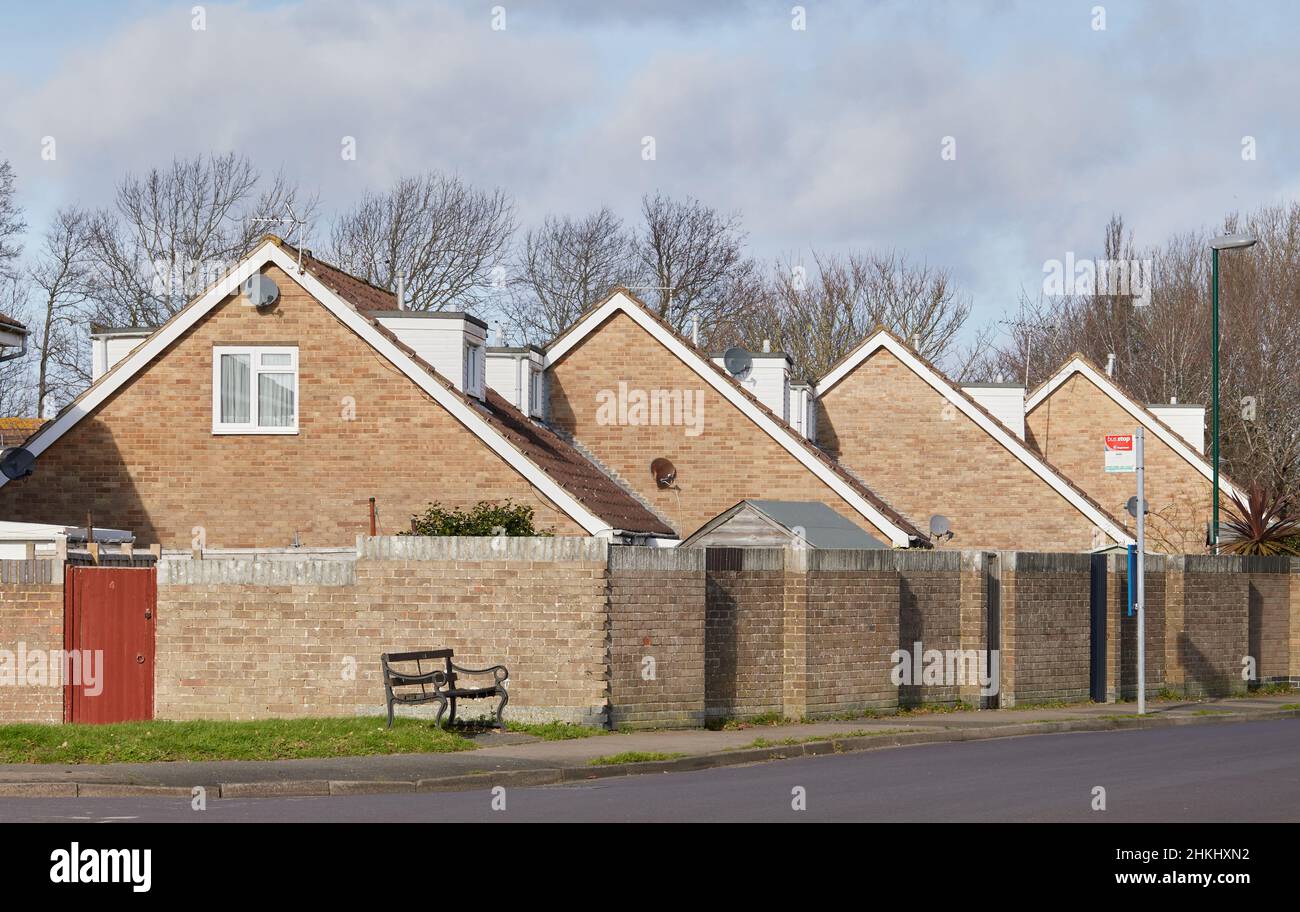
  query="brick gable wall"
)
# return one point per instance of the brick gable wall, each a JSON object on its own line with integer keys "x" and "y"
{"x": 1069, "y": 427}
{"x": 729, "y": 460}
{"x": 147, "y": 460}
{"x": 926, "y": 457}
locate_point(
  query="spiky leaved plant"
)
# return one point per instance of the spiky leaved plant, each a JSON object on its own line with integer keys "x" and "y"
{"x": 1259, "y": 525}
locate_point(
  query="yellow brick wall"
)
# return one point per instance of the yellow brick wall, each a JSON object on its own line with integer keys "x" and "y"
{"x": 31, "y": 614}
{"x": 147, "y": 459}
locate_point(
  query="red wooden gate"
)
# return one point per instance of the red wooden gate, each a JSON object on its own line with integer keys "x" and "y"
{"x": 109, "y": 613}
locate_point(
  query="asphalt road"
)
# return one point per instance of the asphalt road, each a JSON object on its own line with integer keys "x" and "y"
{"x": 1212, "y": 773}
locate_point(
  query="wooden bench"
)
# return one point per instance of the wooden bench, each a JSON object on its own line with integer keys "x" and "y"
{"x": 438, "y": 684}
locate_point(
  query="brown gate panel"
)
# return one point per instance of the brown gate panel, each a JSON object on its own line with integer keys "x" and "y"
{"x": 110, "y": 613}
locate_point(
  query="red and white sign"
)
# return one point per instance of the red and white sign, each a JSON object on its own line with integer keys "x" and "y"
{"x": 1120, "y": 456}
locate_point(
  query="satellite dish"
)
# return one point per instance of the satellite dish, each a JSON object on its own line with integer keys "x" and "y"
{"x": 261, "y": 290}
{"x": 16, "y": 462}
{"x": 940, "y": 527}
{"x": 1132, "y": 507}
{"x": 737, "y": 360}
{"x": 664, "y": 471}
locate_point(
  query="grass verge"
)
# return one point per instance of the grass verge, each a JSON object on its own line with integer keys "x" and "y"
{"x": 555, "y": 731}
{"x": 266, "y": 739}
{"x": 631, "y": 757}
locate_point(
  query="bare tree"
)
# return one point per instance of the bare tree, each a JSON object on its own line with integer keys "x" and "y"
{"x": 817, "y": 318}
{"x": 174, "y": 231}
{"x": 63, "y": 279}
{"x": 564, "y": 267}
{"x": 445, "y": 238}
{"x": 689, "y": 255}
{"x": 1162, "y": 346}
{"x": 11, "y": 223}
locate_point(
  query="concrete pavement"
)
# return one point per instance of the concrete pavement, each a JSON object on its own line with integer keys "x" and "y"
{"x": 1242, "y": 773}
{"x": 521, "y": 760}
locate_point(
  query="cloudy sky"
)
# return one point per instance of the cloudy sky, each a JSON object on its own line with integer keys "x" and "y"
{"x": 827, "y": 137}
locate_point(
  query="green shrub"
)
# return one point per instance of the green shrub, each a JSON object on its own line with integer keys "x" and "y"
{"x": 487, "y": 518}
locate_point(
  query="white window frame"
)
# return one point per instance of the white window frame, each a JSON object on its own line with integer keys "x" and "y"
{"x": 536, "y": 392}
{"x": 255, "y": 367}
{"x": 470, "y": 362}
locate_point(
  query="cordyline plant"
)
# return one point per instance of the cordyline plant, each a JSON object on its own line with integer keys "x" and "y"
{"x": 484, "y": 519}
{"x": 1259, "y": 526}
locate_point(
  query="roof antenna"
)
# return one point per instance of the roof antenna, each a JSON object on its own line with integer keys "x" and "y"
{"x": 290, "y": 219}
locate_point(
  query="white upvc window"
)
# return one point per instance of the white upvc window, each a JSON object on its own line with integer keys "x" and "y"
{"x": 473, "y": 369}
{"x": 254, "y": 389}
{"x": 536, "y": 407}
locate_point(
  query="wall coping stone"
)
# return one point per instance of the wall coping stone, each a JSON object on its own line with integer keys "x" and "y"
{"x": 553, "y": 548}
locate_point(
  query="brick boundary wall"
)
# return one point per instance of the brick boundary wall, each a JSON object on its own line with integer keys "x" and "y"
{"x": 802, "y": 632}
{"x": 656, "y": 637}
{"x": 240, "y": 639}
{"x": 744, "y": 642}
{"x": 1210, "y": 634}
{"x": 1268, "y": 605}
{"x": 1046, "y": 618}
{"x": 31, "y": 619}
{"x": 852, "y": 631}
{"x": 1121, "y": 629}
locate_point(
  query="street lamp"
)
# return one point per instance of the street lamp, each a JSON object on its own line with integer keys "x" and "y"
{"x": 1223, "y": 242}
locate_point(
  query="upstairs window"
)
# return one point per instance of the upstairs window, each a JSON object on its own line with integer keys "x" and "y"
{"x": 254, "y": 389}
{"x": 536, "y": 407}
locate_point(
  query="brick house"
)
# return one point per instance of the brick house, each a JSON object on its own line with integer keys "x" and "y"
{"x": 237, "y": 425}
{"x": 932, "y": 449}
{"x": 631, "y": 391}
{"x": 1067, "y": 418}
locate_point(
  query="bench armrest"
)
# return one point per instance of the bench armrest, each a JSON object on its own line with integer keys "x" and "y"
{"x": 499, "y": 672}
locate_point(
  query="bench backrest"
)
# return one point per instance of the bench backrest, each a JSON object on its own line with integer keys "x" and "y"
{"x": 419, "y": 657}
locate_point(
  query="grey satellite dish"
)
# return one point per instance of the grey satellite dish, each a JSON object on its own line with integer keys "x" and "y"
{"x": 261, "y": 291}
{"x": 939, "y": 527}
{"x": 737, "y": 361}
{"x": 1132, "y": 507}
{"x": 17, "y": 462}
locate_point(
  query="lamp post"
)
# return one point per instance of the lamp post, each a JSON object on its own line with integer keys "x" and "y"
{"x": 1223, "y": 242}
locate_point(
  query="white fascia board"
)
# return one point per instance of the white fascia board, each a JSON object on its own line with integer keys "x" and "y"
{"x": 1138, "y": 413}
{"x": 620, "y": 302}
{"x": 991, "y": 427}
{"x": 271, "y": 253}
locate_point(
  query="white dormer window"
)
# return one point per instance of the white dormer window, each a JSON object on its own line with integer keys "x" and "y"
{"x": 254, "y": 389}
{"x": 473, "y": 363}
{"x": 535, "y": 404}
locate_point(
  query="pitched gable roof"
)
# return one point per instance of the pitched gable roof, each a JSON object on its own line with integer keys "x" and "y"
{"x": 901, "y": 531}
{"x": 982, "y": 417}
{"x": 558, "y": 471}
{"x": 1124, "y": 398}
